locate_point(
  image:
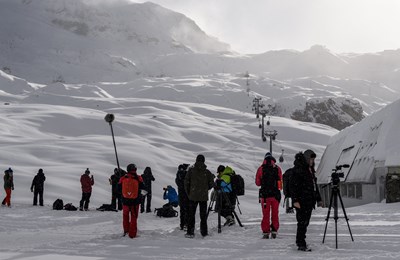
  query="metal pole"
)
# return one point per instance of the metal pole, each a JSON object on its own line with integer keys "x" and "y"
{"x": 115, "y": 147}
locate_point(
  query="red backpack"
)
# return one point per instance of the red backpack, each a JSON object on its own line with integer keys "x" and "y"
{"x": 130, "y": 187}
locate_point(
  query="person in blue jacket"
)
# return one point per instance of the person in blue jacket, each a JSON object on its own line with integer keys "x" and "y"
{"x": 172, "y": 197}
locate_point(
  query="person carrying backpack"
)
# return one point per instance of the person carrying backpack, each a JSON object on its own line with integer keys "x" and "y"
{"x": 86, "y": 183}
{"x": 37, "y": 187}
{"x": 147, "y": 177}
{"x": 304, "y": 193}
{"x": 8, "y": 186}
{"x": 269, "y": 177}
{"x": 116, "y": 195}
{"x": 182, "y": 196}
{"x": 132, "y": 187}
{"x": 198, "y": 181}
{"x": 224, "y": 183}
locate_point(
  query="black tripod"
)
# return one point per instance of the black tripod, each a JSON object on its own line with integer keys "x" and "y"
{"x": 335, "y": 194}
{"x": 217, "y": 196}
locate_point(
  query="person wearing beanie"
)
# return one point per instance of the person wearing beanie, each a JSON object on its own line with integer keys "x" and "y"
{"x": 182, "y": 196}
{"x": 116, "y": 197}
{"x": 8, "y": 186}
{"x": 198, "y": 181}
{"x": 37, "y": 187}
{"x": 269, "y": 178}
{"x": 132, "y": 189}
{"x": 304, "y": 193}
{"x": 86, "y": 183}
{"x": 148, "y": 178}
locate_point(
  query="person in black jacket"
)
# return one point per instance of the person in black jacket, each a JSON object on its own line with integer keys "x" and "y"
{"x": 183, "y": 198}
{"x": 116, "y": 190}
{"x": 147, "y": 177}
{"x": 37, "y": 187}
{"x": 304, "y": 193}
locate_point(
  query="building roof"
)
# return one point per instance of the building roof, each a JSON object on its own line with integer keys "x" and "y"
{"x": 362, "y": 145}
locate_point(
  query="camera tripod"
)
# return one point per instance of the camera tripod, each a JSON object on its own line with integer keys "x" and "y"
{"x": 335, "y": 194}
{"x": 217, "y": 196}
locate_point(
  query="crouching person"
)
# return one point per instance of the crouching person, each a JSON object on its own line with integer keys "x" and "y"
{"x": 132, "y": 185}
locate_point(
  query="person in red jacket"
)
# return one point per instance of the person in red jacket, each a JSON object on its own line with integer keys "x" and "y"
{"x": 86, "y": 182}
{"x": 269, "y": 177}
{"x": 132, "y": 187}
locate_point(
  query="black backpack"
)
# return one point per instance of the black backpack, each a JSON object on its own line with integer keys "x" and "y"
{"x": 106, "y": 207}
{"x": 237, "y": 183}
{"x": 70, "y": 207}
{"x": 166, "y": 212}
{"x": 58, "y": 204}
{"x": 269, "y": 182}
{"x": 286, "y": 182}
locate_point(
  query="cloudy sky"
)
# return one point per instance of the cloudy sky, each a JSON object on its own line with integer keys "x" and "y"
{"x": 254, "y": 26}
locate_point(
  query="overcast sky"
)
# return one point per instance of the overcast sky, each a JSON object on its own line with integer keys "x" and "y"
{"x": 255, "y": 26}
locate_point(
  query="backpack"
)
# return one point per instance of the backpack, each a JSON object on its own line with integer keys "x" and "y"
{"x": 106, "y": 207}
{"x": 286, "y": 182}
{"x": 70, "y": 207}
{"x": 237, "y": 183}
{"x": 58, "y": 204}
{"x": 130, "y": 187}
{"x": 166, "y": 212}
{"x": 269, "y": 182}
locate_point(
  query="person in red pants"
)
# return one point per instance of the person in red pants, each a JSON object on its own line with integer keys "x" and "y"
{"x": 8, "y": 186}
{"x": 132, "y": 187}
{"x": 269, "y": 177}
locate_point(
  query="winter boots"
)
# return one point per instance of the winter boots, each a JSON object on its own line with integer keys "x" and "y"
{"x": 229, "y": 221}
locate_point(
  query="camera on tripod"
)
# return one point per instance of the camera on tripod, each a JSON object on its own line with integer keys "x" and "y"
{"x": 336, "y": 175}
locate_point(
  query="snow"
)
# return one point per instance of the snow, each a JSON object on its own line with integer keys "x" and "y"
{"x": 175, "y": 93}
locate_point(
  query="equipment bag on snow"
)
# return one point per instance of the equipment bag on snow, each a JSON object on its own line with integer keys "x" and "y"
{"x": 58, "y": 204}
{"x": 166, "y": 212}
{"x": 70, "y": 207}
{"x": 106, "y": 207}
{"x": 237, "y": 183}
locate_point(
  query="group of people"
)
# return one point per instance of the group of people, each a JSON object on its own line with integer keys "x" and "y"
{"x": 130, "y": 190}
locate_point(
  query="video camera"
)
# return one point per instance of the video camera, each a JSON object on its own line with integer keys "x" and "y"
{"x": 336, "y": 175}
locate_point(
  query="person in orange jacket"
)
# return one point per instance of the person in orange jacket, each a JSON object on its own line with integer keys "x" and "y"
{"x": 132, "y": 189}
{"x": 269, "y": 177}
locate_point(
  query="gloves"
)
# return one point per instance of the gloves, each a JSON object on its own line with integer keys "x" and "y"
{"x": 296, "y": 205}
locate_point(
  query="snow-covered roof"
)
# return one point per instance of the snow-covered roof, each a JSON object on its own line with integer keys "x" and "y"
{"x": 374, "y": 139}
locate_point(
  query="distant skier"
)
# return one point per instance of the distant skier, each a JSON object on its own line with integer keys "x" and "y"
{"x": 147, "y": 177}
{"x": 37, "y": 187}
{"x": 86, "y": 183}
{"x": 8, "y": 186}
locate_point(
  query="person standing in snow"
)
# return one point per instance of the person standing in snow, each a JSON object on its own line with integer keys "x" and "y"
{"x": 116, "y": 197}
{"x": 132, "y": 187}
{"x": 37, "y": 187}
{"x": 86, "y": 183}
{"x": 147, "y": 177}
{"x": 8, "y": 186}
{"x": 182, "y": 196}
{"x": 198, "y": 181}
{"x": 269, "y": 177}
{"x": 304, "y": 193}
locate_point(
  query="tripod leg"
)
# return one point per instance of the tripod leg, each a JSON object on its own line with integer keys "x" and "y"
{"x": 345, "y": 216}
{"x": 335, "y": 213}
{"x": 211, "y": 204}
{"x": 232, "y": 208}
{"x": 219, "y": 210}
{"x": 327, "y": 216}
